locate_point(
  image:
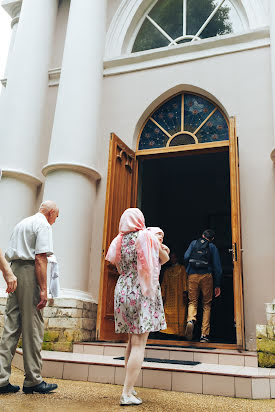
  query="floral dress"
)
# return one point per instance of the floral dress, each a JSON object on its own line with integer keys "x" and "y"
{"x": 135, "y": 313}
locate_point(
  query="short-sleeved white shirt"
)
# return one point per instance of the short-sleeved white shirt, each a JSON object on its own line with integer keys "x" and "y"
{"x": 30, "y": 237}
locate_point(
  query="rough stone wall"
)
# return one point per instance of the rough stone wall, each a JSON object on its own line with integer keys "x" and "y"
{"x": 66, "y": 321}
{"x": 265, "y": 335}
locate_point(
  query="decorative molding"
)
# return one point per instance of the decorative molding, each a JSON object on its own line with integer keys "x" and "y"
{"x": 64, "y": 294}
{"x": 14, "y": 21}
{"x": 187, "y": 52}
{"x": 54, "y": 76}
{"x": 272, "y": 155}
{"x": 20, "y": 175}
{"x": 86, "y": 170}
{"x": 75, "y": 294}
{"x": 12, "y": 7}
{"x": 4, "y": 82}
{"x": 131, "y": 13}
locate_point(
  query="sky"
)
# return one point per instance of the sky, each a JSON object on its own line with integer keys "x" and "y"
{"x": 5, "y": 33}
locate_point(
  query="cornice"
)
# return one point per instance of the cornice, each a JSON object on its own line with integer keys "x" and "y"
{"x": 80, "y": 168}
{"x": 21, "y": 175}
{"x": 187, "y": 52}
{"x": 12, "y": 7}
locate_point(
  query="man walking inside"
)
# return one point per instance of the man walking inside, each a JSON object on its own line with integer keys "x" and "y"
{"x": 30, "y": 244}
{"x": 203, "y": 267}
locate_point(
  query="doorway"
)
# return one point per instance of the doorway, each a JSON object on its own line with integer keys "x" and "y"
{"x": 184, "y": 195}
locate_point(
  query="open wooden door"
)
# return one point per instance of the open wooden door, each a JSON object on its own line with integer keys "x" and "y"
{"x": 120, "y": 194}
{"x": 236, "y": 233}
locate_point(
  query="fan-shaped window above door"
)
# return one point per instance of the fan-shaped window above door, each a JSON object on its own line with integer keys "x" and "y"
{"x": 172, "y": 22}
{"x": 183, "y": 120}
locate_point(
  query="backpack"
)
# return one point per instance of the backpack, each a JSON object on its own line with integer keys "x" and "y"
{"x": 200, "y": 256}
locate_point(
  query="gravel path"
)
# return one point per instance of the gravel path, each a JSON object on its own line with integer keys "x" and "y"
{"x": 74, "y": 396}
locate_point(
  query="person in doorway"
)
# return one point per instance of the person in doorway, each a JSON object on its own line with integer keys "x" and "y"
{"x": 8, "y": 275}
{"x": 204, "y": 269}
{"x": 138, "y": 306}
{"x": 30, "y": 244}
{"x": 174, "y": 294}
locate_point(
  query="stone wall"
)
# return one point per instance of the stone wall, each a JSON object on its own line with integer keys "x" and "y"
{"x": 265, "y": 335}
{"x": 66, "y": 321}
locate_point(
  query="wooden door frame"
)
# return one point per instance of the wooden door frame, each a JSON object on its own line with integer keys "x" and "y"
{"x": 232, "y": 147}
{"x": 179, "y": 151}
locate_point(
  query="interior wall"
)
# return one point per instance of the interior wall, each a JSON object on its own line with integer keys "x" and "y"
{"x": 242, "y": 83}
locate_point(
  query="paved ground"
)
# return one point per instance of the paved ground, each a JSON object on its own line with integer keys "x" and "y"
{"x": 86, "y": 396}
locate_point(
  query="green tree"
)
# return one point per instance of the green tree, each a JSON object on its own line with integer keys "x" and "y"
{"x": 168, "y": 14}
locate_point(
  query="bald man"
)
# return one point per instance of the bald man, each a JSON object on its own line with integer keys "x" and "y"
{"x": 30, "y": 245}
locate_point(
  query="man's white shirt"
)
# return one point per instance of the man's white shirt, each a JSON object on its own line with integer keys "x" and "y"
{"x": 30, "y": 237}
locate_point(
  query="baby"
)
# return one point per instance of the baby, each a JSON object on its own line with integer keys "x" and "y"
{"x": 158, "y": 232}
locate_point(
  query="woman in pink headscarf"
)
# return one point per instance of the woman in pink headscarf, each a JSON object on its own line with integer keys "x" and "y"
{"x": 138, "y": 306}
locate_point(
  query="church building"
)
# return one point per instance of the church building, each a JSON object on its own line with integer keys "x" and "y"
{"x": 165, "y": 105}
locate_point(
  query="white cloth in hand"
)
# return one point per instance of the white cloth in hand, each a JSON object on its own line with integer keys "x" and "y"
{"x": 54, "y": 288}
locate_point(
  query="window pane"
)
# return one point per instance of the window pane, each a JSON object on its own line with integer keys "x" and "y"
{"x": 182, "y": 139}
{"x": 214, "y": 130}
{"x": 169, "y": 115}
{"x": 168, "y": 15}
{"x": 152, "y": 137}
{"x": 198, "y": 12}
{"x": 196, "y": 110}
{"x": 149, "y": 38}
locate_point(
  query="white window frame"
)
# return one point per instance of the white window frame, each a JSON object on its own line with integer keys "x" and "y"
{"x": 131, "y": 14}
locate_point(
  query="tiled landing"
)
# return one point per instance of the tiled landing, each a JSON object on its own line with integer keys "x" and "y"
{"x": 205, "y": 378}
{"x": 216, "y": 356}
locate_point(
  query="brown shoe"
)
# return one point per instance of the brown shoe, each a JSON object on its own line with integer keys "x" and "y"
{"x": 189, "y": 330}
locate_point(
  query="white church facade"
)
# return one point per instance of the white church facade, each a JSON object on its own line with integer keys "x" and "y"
{"x": 157, "y": 104}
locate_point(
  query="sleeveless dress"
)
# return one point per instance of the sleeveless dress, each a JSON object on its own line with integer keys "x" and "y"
{"x": 135, "y": 313}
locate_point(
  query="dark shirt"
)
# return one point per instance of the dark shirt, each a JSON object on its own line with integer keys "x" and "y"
{"x": 214, "y": 267}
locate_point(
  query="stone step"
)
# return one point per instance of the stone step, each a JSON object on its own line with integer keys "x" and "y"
{"x": 204, "y": 378}
{"x": 214, "y": 356}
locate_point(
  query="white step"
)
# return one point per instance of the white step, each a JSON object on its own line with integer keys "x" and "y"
{"x": 216, "y": 356}
{"x": 207, "y": 378}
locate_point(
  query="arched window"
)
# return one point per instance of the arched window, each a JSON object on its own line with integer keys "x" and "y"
{"x": 172, "y": 22}
{"x": 183, "y": 120}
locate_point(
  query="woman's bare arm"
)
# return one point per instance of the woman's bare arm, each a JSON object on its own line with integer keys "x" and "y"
{"x": 163, "y": 256}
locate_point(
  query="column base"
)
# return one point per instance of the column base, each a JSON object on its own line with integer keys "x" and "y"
{"x": 67, "y": 320}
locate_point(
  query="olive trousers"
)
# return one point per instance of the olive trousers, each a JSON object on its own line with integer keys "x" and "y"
{"x": 203, "y": 283}
{"x": 22, "y": 316}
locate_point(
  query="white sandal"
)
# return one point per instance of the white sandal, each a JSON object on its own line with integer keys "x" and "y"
{"x": 130, "y": 400}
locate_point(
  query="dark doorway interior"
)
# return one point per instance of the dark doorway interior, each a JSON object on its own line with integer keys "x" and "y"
{"x": 185, "y": 195}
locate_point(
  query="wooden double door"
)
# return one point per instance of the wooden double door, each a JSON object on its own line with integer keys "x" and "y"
{"x": 121, "y": 193}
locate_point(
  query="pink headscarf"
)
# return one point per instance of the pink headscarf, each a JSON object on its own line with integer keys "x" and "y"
{"x": 147, "y": 247}
{"x": 155, "y": 230}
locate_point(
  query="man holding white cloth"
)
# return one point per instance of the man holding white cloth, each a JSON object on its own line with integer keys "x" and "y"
{"x": 30, "y": 245}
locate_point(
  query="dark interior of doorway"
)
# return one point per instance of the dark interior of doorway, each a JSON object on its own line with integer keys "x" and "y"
{"x": 185, "y": 195}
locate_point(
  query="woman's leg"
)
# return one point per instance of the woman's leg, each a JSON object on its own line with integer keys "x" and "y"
{"x": 134, "y": 362}
{"x": 128, "y": 350}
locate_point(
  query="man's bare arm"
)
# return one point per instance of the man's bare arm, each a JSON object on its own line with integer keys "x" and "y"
{"x": 9, "y": 277}
{"x": 41, "y": 263}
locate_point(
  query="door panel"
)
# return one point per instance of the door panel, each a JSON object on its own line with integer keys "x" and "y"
{"x": 236, "y": 233}
{"x": 119, "y": 196}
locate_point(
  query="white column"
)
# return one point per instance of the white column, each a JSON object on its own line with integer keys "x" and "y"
{"x": 22, "y": 113}
{"x": 272, "y": 58}
{"x": 71, "y": 172}
{"x": 13, "y": 8}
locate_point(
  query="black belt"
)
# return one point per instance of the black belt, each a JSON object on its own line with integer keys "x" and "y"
{"x": 22, "y": 261}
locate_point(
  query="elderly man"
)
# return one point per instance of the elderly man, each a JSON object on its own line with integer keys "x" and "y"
{"x": 30, "y": 244}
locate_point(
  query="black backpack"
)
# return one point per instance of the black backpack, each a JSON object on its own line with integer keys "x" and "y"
{"x": 200, "y": 256}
